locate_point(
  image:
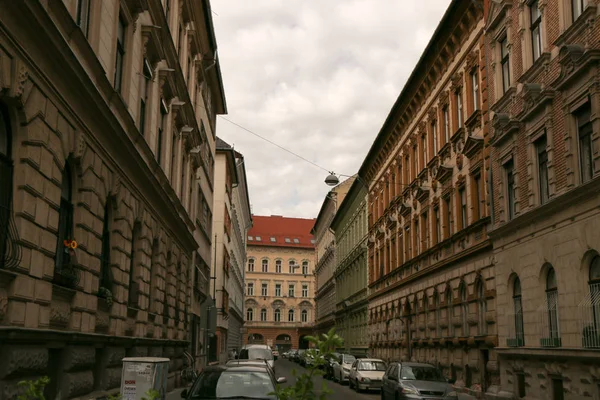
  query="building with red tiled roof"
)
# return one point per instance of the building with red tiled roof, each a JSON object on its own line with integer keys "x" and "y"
{"x": 280, "y": 283}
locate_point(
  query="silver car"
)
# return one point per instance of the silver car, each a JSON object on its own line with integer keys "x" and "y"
{"x": 258, "y": 352}
{"x": 416, "y": 381}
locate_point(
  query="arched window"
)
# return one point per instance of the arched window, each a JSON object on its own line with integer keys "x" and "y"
{"x": 304, "y": 316}
{"x": 265, "y": 265}
{"x": 291, "y": 316}
{"x": 6, "y": 183}
{"x": 277, "y": 315}
{"x": 64, "y": 273}
{"x": 449, "y": 312}
{"x": 438, "y": 313}
{"x": 251, "y": 265}
{"x": 304, "y": 267}
{"x": 134, "y": 285}
{"x": 292, "y": 265}
{"x": 464, "y": 310}
{"x": 552, "y": 305}
{"x": 481, "y": 308}
{"x": 426, "y": 309}
{"x": 518, "y": 311}
{"x": 592, "y": 332}
{"x": 105, "y": 289}
{"x": 250, "y": 314}
{"x": 153, "y": 306}
{"x": 278, "y": 266}
{"x": 263, "y": 314}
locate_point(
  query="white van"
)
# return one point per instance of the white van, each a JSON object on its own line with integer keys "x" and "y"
{"x": 257, "y": 352}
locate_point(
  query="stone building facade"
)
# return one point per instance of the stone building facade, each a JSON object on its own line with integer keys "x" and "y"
{"x": 351, "y": 270}
{"x": 432, "y": 295}
{"x": 231, "y": 221}
{"x": 325, "y": 248}
{"x": 280, "y": 282}
{"x": 545, "y": 147}
{"x": 107, "y": 117}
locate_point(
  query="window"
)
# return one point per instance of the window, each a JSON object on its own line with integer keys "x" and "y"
{"x": 144, "y": 89}
{"x": 577, "y": 8}
{"x": 552, "y": 304}
{"x": 304, "y": 290}
{"x": 6, "y": 183}
{"x": 464, "y": 305}
{"x": 448, "y": 206}
{"x": 304, "y": 267}
{"x": 161, "y": 128}
{"x": 535, "y": 20}
{"x": 173, "y": 158}
{"x": 415, "y": 165}
{"x": 542, "y": 159}
{"x": 250, "y": 238}
{"x": 265, "y": 265}
{"x": 592, "y": 332}
{"x": 446, "y": 125}
{"x": 558, "y": 392}
{"x": 258, "y": 239}
{"x": 462, "y": 194}
{"x": 277, "y": 315}
{"x": 438, "y": 225}
{"x": 292, "y": 266}
{"x": 287, "y": 240}
{"x": 250, "y": 289}
{"x": 184, "y": 162}
{"x": 133, "y": 295}
{"x": 518, "y": 313}
{"x": 278, "y": 266}
{"x": 119, "y": 59}
{"x": 273, "y": 239}
{"x": 424, "y": 144}
{"x": 521, "y": 384}
{"x": 62, "y": 266}
{"x": 291, "y": 290}
{"x": 459, "y": 108}
{"x": 510, "y": 188}
{"x": 434, "y": 137}
{"x": 83, "y": 16}
{"x": 449, "y": 310}
{"x": 105, "y": 272}
{"x": 475, "y": 89}
{"x": 304, "y": 316}
{"x": 264, "y": 289}
{"x": 249, "y": 314}
{"x": 417, "y": 238}
{"x": 481, "y": 308}
{"x": 263, "y": 314}
{"x": 251, "y": 265}
{"x": 278, "y": 290}
{"x": 291, "y": 316}
{"x": 505, "y": 61}
{"x": 584, "y": 130}
{"x": 477, "y": 196}
{"x": 296, "y": 240}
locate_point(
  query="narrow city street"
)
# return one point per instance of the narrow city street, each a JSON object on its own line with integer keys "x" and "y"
{"x": 284, "y": 367}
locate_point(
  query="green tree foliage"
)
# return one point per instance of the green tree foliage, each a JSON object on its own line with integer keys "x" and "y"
{"x": 34, "y": 390}
{"x": 304, "y": 388}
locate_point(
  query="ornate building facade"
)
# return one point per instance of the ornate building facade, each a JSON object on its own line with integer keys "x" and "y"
{"x": 280, "y": 282}
{"x": 431, "y": 278}
{"x": 231, "y": 221}
{"x": 545, "y": 102}
{"x": 351, "y": 270}
{"x": 325, "y": 299}
{"x": 107, "y": 117}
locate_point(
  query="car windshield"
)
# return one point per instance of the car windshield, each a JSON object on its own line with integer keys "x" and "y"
{"x": 371, "y": 366}
{"x": 231, "y": 384}
{"x": 420, "y": 373}
{"x": 256, "y": 354}
{"x": 348, "y": 359}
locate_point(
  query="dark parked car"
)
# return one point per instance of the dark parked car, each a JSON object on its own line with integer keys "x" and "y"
{"x": 328, "y": 367}
{"x": 416, "y": 381}
{"x": 234, "y": 382}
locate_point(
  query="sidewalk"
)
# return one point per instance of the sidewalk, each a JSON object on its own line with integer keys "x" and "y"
{"x": 175, "y": 394}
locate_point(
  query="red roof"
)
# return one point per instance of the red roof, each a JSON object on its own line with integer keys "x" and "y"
{"x": 280, "y": 231}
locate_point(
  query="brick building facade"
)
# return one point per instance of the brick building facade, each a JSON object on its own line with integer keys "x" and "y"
{"x": 545, "y": 102}
{"x": 280, "y": 282}
{"x": 100, "y": 104}
{"x": 432, "y": 295}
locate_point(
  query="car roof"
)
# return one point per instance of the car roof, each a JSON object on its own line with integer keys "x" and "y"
{"x": 370, "y": 359}
{"x": 414, "y": 364}
{"x": 239, "y": 368}
{"x": 247, "y": 362}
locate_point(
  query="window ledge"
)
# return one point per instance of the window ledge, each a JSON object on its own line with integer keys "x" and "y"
{"x": 577, "y": 27}
{"x": 536, "y": 68}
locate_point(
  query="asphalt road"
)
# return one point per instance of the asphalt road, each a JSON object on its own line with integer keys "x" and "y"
{"x": 284, "y": 367}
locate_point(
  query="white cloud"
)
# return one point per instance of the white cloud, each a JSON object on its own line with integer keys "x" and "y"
{"x": 318, "y": 77}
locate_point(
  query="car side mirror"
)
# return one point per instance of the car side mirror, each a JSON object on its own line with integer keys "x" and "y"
{"x": 282, "y": 379}
{"x": 184, "y": 394}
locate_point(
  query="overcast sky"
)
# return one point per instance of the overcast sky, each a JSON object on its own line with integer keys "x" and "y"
{"x": 317, "y": 77}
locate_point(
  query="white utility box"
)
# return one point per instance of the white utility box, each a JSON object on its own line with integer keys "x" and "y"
{"x": 141, "y": 374}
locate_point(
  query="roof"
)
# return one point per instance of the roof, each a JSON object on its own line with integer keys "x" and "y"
{"x": 241, "y": 367}
{"x": 279, "y": 231}
{"x": 222, "y": 145}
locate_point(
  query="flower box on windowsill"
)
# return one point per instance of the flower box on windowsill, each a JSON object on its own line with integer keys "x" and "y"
{"x": 515, "y": 342}
{"x": 550, "y": 342}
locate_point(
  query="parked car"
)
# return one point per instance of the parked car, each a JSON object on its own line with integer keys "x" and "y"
{"x": 234, "y": 381}
{"x": 328, "y": 367}
{"x": 416, "y": 381}
{"x": 250, "y": 362}
{"x": 366, "y": 374}
{"x": 309, "y": 357}
{"x": 341, "y": 368}
{"x": 258, "y": 352}
{"x": 299, "y": 355}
